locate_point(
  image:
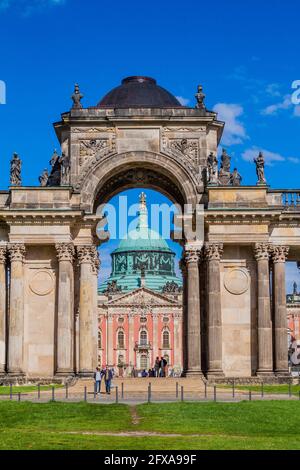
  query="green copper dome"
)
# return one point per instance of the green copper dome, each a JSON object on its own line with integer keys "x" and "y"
{"x": 142, "y": 258}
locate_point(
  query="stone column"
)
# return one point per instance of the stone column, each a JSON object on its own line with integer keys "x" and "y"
{"x": 65, "y": 310}
{"x": 16, "y": 311}
{"x": 213, "y": 252}
{"x": 110, "y": 341}
{"x": 265, "y": 335}
{"x": 183, "y": 268}
{"x": 177, "y": 346}
{"x": 192, "y": 257}
{"x": 3, "y": 294}
{"x": 131, "y": 340}
{"x": 155, "y": 336}
{"x": 279, "y": 255}
{"x": 88, "y": 310}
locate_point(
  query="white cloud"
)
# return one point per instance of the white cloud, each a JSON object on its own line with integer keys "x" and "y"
{"x": 182, "y": 100}
{"x": 273, "y": 89}
{"x": 273, "y": 109}
{"x": 270, "y": 157}
{"x": 234, "y": 132}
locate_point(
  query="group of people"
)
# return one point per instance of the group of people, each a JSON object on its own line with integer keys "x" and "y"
{"x": 107, "y": 374}
{"x": 160, "y": 369}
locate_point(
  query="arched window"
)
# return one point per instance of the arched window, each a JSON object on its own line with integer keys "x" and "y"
{"x": 99, "y": 340}
{"x": 121, "y": 339}
{"x": 166, "y": 339}
{"x": 143, "y": 337}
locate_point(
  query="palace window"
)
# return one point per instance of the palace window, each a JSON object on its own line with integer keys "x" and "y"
{"x": 144, "y": 361}
{"x": 99, "y": 340}
{"x": 143, "y": 337}
{"x": 121, "y": 339}
{"x": 166, "y": 339}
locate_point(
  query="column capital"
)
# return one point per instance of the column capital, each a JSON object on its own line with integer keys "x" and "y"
{"x": 279, "y": 253}
{"x": 192, "y": 255}
{"x": 96, "y": 262}
{"x": 262, "y": 251}
{"x": 16, "y": 252}
{"x": 3, "y": 253}
{"x": 213, "y": 251}
{"x": 87, "y": 254}
{"x": 65, "y": 251}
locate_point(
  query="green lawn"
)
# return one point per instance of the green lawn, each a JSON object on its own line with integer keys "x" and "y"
{"x": 276, "y": 389}
{"x": 26, "y": 389}
{"x": 245, "y": 425}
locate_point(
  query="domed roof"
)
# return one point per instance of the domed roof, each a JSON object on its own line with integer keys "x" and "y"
{"x": 139, "y": 92}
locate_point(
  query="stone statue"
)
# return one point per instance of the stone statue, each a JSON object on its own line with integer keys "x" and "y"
{"x": 55, "y": 175}
{"x": 77, "y": 97}
{"x": 65, "y": 170}
{"x": 212, "y": 168}
{"x": 235, "y": 178}
{"x": 15, "y": 170}
{"x": 295, "y": 288}
{"x": 171, "y": 288}
{"x": 113, "y": 288}
{"x": 224, "y": 174}
{"x": 260, "y": 169}
{"x": 43, "y": 179}
{"x": 200, "y": 97}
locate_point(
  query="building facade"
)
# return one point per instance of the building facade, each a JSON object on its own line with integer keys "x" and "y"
{"x": 139, "y": 135}
{"x": 140, "y": 305}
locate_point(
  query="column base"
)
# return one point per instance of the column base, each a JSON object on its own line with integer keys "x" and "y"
{"x": 86, "y": 374}
{"x": 265, "y": 373}
{"x": 215, "y": 373}
{"x": 282, "y": 373}
{"x": 64, "y": 374}
{"x": 193, "y": 373}
{"x": 16, "y": 374}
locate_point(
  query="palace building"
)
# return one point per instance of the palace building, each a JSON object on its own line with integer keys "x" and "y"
{"x": 227, "y": 319}
{"x": 140, "y": 305}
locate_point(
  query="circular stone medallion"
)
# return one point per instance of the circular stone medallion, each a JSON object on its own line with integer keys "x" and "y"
{"x": 42, "y": 283}
{"x": 236, "y": 281}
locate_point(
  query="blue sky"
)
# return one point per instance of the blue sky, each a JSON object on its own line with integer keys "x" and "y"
{"x": 245, "y": 54}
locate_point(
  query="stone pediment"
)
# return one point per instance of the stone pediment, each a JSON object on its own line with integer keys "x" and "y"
{"x": 143, "y": 296}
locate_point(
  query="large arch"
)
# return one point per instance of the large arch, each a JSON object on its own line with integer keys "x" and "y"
{"x": 139, "y": 168}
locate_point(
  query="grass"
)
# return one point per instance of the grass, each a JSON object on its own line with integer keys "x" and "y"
{"x": 27, "y": 389}
{"x": 268, "y": 389}
{"x": 244, "y": 425}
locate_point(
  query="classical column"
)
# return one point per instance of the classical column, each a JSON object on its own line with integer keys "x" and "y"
{"x": 110, "y": 341}
{"x": 213, "y": 252}
{"x": 183, "y": 268}
{"x": 65, "y": 310}
{"x": 265, "y": 335}
{"x": 177, "y": 346}
{"x": 131, "y": 339}
{"x": 279, "y": 255}
{"x": 16, "y": 312}
{"x": 88, "y": 309}
{"x": 192, "y": 257}
{"x": 3, "y": 288}
{"x": 155, "y": 316}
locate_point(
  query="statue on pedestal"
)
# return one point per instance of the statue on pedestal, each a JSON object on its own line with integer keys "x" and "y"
{"x": 15, "y": 170}
{"x": 55, "y": 175}
{"x": 212, "y": 168}
{"x": 235, "y": 178}
{"x": 77, "y": 97}
{"x": 65, "y": 170}
{"x": 224, "y": 174}
{"x": 43, "y": 179}
{"x": 200, "y": 97}
{"x": 260, "y": 169}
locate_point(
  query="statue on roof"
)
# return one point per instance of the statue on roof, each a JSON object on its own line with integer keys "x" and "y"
{"x": 260, "y": 169}
{"x": 212, "y": 168}
{"x": 295, "y": 288}
{"x": 43, "y": 179}
{"x": 224, "y": 174}
{"x": 55, "y": 175}
{"x": 200, "y": 97}
{"x": 15, "y": 171}
{"x": 77, "y": 97}
{"x": 235, "y": 178}
{"x": 65, "y": 170}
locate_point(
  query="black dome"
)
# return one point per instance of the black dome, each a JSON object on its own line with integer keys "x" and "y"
{"x": 139, "y": 92}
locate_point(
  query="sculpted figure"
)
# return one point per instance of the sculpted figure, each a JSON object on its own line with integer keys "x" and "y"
{"x": 224, "y": 174}
{"x": 77, "y": 97}
{"x": 260, "y": 168}
{"x": 235, "y": 178}
{"x": 43, "y": 179}
{"x": 15, "y": 171}
{"x": 212, "y": 168}
{"x": 65, "y": 169}
{"x": 200, "y": 97}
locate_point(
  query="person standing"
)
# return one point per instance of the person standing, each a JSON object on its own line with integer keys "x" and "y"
{"x": 108, "y": 378}
{"x": 157, "y": 367}
{"x": 97, "y": 378}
